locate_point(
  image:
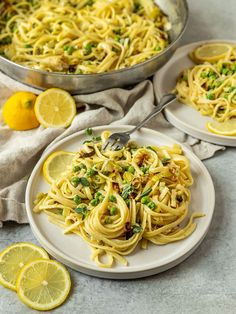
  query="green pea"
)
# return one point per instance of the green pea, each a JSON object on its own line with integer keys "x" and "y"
{"x": 76, "y": 168}
{"x": 145, "y": 200}
{"x": 210, "y": 96}
{"x": 112, "y": 198}
{"x": 91, "y": 172}
{"x": 77, "y": 199}
{"x": 131, "y": 169}
{"x": 94, "y": 202}
{"x": 151, "y": 205}
{"x": 203, "y": 74}
{"x": 75, "y": 181}
{"x": 113, "y": 210}
{"x": 98, "y": 194}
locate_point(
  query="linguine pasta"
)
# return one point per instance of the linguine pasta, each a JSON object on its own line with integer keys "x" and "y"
{"x": 210, "y": 88}
{"x": 116, "y": 200}
{"x": 86, "y": 36}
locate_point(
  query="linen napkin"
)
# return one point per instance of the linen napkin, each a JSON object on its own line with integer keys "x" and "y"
{"x": 20, "y": 150}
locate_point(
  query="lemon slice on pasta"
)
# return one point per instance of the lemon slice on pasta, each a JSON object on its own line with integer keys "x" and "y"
{"x": 210, "y": 52}
{"x": 56, "y": 164}
{"x": 43, "y": 284}
{"x": 55, "y": 108}
{"x": 227, "y": 128}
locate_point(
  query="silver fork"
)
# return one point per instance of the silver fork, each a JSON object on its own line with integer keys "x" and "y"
{"x": 117, "y": 141}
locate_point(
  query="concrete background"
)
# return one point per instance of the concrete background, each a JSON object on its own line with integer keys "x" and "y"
{"x": 206, "y": 281}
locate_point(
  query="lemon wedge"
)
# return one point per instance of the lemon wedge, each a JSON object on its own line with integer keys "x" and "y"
{"x": 210, "y": 52}
{"x": 55, "y": 108}
{"x": 56, "y": 164}
{"x": 43, "y": 284}
{"x": 14, "y": 257}
{"x": 227, "y": 128}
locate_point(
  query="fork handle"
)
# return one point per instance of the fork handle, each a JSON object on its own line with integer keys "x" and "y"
{"x": 165, "y": 100}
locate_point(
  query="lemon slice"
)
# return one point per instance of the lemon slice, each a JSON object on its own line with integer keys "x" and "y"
{"x": 56, "y": 164}
{"x": 43, "y": 284}
{"x": 227, "y": 128}
{"x": 55, "y": 108}
{"x": 210, "y": 52}
{"x": 14, "y": 257}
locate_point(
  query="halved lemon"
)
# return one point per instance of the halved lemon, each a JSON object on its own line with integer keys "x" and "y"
{"x": 227, "y": 128}
{"x": 14, "y": 257}
{"x": 210, "y": 52}
{"x": 56, "y": 164}
{"x": 55, "y": 108}
{"x": 43, "y": 284}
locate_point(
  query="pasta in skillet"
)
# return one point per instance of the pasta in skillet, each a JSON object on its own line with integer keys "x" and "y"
{"x": 81, "y": 37}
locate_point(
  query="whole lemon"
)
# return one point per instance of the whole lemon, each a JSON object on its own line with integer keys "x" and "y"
{"x": 18, "y": 111}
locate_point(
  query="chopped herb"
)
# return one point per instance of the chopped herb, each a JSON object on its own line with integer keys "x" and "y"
{"x": 151, "y": 205}
{"x": 90, "y": 3}
{"x": 113, "y": 210}
{"x": 127, "y": 190}
{"x": 78, "y": 71}
{"x": 144, "y": 169}
{"x": 89, "y": 131}
{"x": 137, "y": 7}
{"x": 107, "y": 220}
{"x": 75, "y": 181}
{"x": 77, "y": 199}
{"x": 117, "y": 38}
{"x": 224, "y": 70}
{"x": 87, "y": 141}
{"x": 145, "y": 200}
{"x": 84, "y": 181}
{"x": 127, "y": 201}
{"x": 165, "y": 161}
{"x": 231, "y": 89}
{"x": 96, "y": 138}
{"x": 27, "y": 46}
{"x": 150, "y": 147}
{"x": 145, "y": 193}
{"x": 105, "y": 173}
{"x": 131, "y": 169}
{"x": 112, "y": 198}
{"x": 117, "y": 31}
{"x": 6, "y": 40}
{"x": 137, "y": 228}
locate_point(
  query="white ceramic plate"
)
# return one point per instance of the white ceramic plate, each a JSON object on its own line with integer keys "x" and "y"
{"x": 74, "y": 252}
{"x": 180, "y": 115}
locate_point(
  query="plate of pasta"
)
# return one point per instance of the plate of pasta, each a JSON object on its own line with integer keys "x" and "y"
{"x": 121, "y": 214}
{"x": 205, "y": 88}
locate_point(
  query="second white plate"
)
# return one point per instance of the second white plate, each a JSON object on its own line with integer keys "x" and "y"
{"x": 180, "y": 115}
{"x": 74, "y": 252}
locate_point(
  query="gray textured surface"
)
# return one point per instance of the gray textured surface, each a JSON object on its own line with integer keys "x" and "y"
{"x": 206, "y": 281}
